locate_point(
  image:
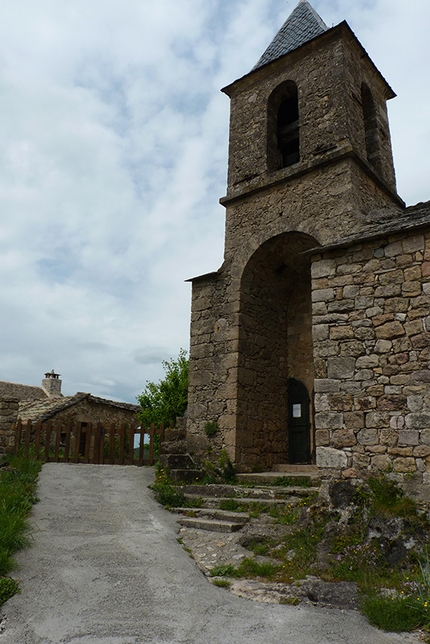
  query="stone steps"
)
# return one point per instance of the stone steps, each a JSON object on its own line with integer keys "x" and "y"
{"x": 215, "y": 501}
{"x": 243, "y": 493}
{"x": 267, "y": 478}
{"x": 210, "y": 517}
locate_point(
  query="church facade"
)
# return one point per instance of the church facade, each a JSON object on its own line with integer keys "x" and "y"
{"x": 311, "y": 343}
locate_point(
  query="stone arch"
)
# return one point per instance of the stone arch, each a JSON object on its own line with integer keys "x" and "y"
{"x": 283, "y": 140}
{"x": 275, "y": 344}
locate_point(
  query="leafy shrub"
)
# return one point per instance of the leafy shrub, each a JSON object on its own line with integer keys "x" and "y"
{"x": 162, "y": 402}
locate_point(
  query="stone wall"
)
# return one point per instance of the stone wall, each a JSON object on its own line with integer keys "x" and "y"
{"x": 8, "y": 418}
{"x": 371, "y": 332}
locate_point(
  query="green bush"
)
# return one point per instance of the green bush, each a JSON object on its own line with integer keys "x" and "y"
{"x": 162, "y": 402}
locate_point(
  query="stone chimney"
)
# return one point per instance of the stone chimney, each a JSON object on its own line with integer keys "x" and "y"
{"x": 51, "y": 384}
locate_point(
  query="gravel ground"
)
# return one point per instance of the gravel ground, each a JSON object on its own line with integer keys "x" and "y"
{"x": 105, "y": 567}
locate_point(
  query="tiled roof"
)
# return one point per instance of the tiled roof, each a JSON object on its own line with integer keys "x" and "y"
{"x": 303, "y": 24}
{"x": 49, "y": 408}
{"x": 22, "y": 392}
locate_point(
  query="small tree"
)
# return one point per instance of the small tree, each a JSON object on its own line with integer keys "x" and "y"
{"x": 162, "y": 402}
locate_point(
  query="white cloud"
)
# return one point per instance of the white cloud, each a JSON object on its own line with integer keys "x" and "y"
{"x": 113, "y": 155}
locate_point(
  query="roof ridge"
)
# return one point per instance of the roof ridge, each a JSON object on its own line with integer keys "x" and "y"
{"x": 301, "y": 26}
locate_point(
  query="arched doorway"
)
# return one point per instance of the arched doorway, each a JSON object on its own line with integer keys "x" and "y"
{"x": 275, "y": 345}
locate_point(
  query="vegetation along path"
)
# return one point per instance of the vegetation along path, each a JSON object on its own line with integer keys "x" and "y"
{"x": 105, "y": 567}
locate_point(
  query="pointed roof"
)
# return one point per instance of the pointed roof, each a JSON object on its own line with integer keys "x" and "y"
{"x": 302, "y": 25}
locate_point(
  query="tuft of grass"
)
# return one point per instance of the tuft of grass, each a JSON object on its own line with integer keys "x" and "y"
{"x": 17, "y": 495}
{"x": 291, "y": 481}
{"x": 247, "y": 568}
{"x": 231, "y": 505}
{"x": 168, "y": 495}
{"x": 221, "y": 583}
{"x": 8, "y": 588}
{"x": 392, "y": 614}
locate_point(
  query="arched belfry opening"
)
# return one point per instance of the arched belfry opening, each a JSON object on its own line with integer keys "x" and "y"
{"x": 275, "y": 345}
{"x": 283, "y": 141}
{"x": 371, "y": 129}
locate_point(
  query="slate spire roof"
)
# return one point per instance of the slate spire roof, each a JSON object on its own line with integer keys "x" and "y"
{"x": 302, "y": 25}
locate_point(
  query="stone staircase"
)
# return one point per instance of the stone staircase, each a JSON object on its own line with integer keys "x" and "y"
{"x": 174, "y": 455}
{"x": 207, "y": 514}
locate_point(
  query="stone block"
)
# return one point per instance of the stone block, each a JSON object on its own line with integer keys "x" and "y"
{"x": 330, "y": 458}
{"x": 414, "y": 328}
{"x": 321, "y": 402}
{"x": 323, "y": 268}
{"x": 367, "y": 362}
{"x": 323, "y": 295}
{"x": 413, "y": 244}
{"x": 425, "y": 436}
{"x": 341, "y": 368}
{"x": 354, "y": 420}
{"x": 421, "y": 451}
{"x": 412, "y": 274}
{"x": 361, "y": 461}
{"x": 320, "y": 332}
{"x": 328, "y": 420}
{"x": 326, "y": 385}
{"x": 421, "y": 376}
{"x": 342, "y": 438}
{"x": 351, "y": 291}
{"x": 418, "y": 421}
{"x": 411, "y": 289}
{"x": 368, "y": 437}
{"x": 377, "y": 420}
{"x": 322, "y": 438}
{"x": 380, "y": 462}
{"x": 392, "y": 402}
{"x": 408, "y": 437}
{"x": 390, "y": 330}
{"x": 383, "y": 346}
{"x": 343, "y": 332}
{"x": 401, "y": 451}
{"x": 415, "y": 403}
{"x": 404, "y": 465}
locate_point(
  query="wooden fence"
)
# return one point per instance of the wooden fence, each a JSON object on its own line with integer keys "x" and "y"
{"x": 89, "y": 442}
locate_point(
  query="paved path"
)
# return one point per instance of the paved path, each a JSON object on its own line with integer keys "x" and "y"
{"x": 106, "y": 568}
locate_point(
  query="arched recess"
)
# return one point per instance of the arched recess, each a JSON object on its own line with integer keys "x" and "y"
{"x": 283, "y": 136}
{"x": 371, "y": 130}
{"x": 275, "y": 344}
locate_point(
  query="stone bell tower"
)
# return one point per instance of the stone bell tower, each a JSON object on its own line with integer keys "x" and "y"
{"x": 310, "y": 162}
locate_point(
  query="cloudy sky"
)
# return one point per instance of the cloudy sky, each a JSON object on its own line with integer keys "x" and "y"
{"x": 113, "y": 153}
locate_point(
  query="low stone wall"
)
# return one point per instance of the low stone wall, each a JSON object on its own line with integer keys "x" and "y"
{"x": 371, "y": 334}
{"x": 8, "y": 418}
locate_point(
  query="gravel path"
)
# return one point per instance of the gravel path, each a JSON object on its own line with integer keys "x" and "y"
{"x": 105, "y": 567}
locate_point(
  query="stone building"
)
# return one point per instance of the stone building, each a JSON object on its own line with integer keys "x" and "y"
{"x": 310, "y": 345}
{"x": 47, "y": 403}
